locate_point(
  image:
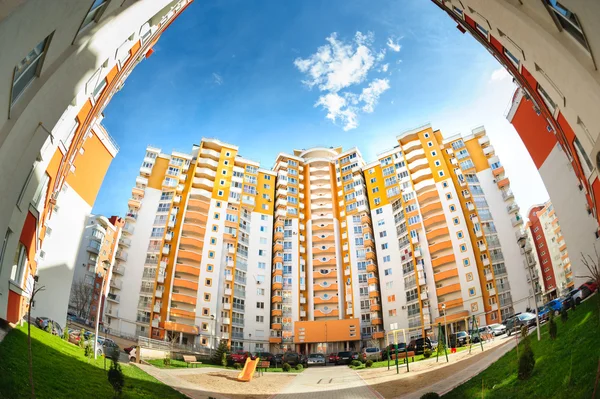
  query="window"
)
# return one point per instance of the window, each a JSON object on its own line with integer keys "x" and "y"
{"x": 459, "y": 234}
{"x": 260, "y": 319}
{"x": 452, "y": 208}
{"x": 20, "y": 262}
{"x": 209, "y": 268}
{"x": 208, "y": 282}
{"x": 391, "y": 298}
{"x": 382, "y": 234}
{"x": 373, "y": 179}
{"x": 260, "y": 305}
{"x": 445, "y": 184}
{"x": 388, "y": 272}
{"x": 466, "y": 262}
{"x": 384, "y": 246}
{"x": 547, "y": 99}
{"x": 511, "y": 57}
{"x": 475, "y": 308}
{"x": 211, "y": 254}
{"x": 457, "y": 11}
{"x": 456, "y": 221}
{"x": 39, "y": 198}
{"x": 568, "y": 21}
{"x": 472, "y": 291}
{"x": 378, "y": 211}
{"x": 392, "y": 312}
{"x": 28, "y": 69}
{"x": 260, "y": 291}
{"x": 463, "y": 248}
{"x": 583, "y": 155}
{"x": 94, "y": 14}
{"x": 437, "y": 163}
{"x": 387, "y": 258}
{"x": 482, "y": 30}
{"x": 377, "y": 201}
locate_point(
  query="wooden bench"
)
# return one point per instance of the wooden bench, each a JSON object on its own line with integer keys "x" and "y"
{"x": 402, "y": 355}
{"x": 262, "y": 366}
{"x": 190, "y": 360}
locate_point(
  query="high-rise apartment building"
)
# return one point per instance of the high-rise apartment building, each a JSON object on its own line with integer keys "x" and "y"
{"x": 59, "y": 75}
{"x": 551, "y": 250}
{"x": 444, "y": 225}
{"x": 201, "y": 228}
{"x": 325, "y": 282}
{"x": 551, "y": 49}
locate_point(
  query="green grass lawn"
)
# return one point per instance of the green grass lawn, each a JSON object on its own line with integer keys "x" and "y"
{"x": 180, "y": 363}
{"x": 564, "y": 368}
{"x": 60, "y": 370}
{"x": 392, "y": 363}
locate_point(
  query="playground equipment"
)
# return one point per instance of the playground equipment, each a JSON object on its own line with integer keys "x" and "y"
{"x": 248, "y": 370}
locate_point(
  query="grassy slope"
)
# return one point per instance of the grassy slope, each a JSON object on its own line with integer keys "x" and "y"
{"x": 564, "y": 368}
{"x": 181, "y": 364}
{"x": 61, "y": 370}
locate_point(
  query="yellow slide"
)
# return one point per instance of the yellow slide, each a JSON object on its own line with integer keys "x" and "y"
{"x": 248, "y": 370}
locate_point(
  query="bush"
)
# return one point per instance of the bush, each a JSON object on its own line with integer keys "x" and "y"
{"x": 564, "y": 316}
{"x": 426, "y": 353}
{"x": 167, "y": 360}
{"x": 526, "y": 362}
{"x": 237, "y": 366}
{"x": 299, "y": 367}
{"x": 81, "y": 338}
{"x": 430, "y": 395}
{"x": 368, "y": 363}
{"x": 552, "y": 329}
{"x": 217, "y": 357}
{"x": 66, "y": 335}
{"x": 356, "y": 363}
{"x": 115, "y": 375}
{"x": 286, "y": 367}
{"x": 224, "y": 360}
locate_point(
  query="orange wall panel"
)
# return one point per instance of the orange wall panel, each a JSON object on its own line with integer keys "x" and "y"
{"x": 330, "y": 330}
{"x": 158, "y": 173}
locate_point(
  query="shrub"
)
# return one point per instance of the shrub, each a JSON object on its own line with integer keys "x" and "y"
{"x": 356, "y": 363}
{"x": 115, "y": 375}
{"x": 430, "y": 395}
{"x": 66, "y": 335}
{"x": 564, "y": 316}
{"x": 552, "y": 329}
{"x": 81, "y": 338}
{"x": 224, "y": 360}
{"x": 237, "y": 366}
{"x": 299, "y": 367}
{"x": 426, "y": 353}
{"x": 368, "y": 363}
{"x": 526, "y": 362}
{"x": 286, "y": 367}
{"x": 167, "y": 360}
{"x": 217, "y": 357}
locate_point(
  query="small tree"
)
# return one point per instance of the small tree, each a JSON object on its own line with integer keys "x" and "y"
{"x": 115, "y": 375}
{"x": 299, "y": 367}
{"x": 217, "y": 357}
{"x": 224, "y": 359}
{"x": 552, "y": 329}
{"x": 368, "y": 363}
{"x": 66, "y": 335}
{"x": 167, "y": 359}
{"x": 564, "y": 316}
{"x": 81, "y": 338}
{"x": 593, "y": 267}
{"x": 50, "y": 327}
{"x": 526, "y": 358}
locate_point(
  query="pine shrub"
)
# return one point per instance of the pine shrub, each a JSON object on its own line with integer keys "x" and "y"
{"x": 526, "y": 362}
{"x": 81, "y": 338}
{"x": 356, "y": 363}
{"x": 564, "y": 316}
{"x": 217, "y": 357}
{"x": 369, "y": 363}
{"x": 552, "y": 328}
{"x": 299, "y": 367}
{"x": 115, "y": 376}
{"x": 286, "y": 367}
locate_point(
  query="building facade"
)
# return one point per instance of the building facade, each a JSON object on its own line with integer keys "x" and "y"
{"x": 59, "y": 73}
{"x": 325, "y": 279}
{"x": 551, "y": 251}
{"x": 444, "y": 223}
{"x": 200, "y": 227}
{"x": 551, "y": 49}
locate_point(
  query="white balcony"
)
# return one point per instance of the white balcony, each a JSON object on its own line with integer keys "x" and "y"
{"x": 145, "y": 171}
{"x": 226, "y": 321}
{"x": 158, "y": 293}
{"x": 489, "y": 150}
{"x": 475, "y": 219}
{"x": 166, "y": 249}
{"x": 517, "y": 220}
{"x": 207, "y": 162}
{"x": 142, "y": 181}
{"x": 155, "y": 323}
{"x": 349, "y": 311}
{"x": 156, "y": 308}
{"x": 411, "y": 145}
{"x": 483, "y": 141}
{"x": 160, "y": 278}
{"x": 495, "y": 307}
{"x": 205, "y": 172}
{"x": 302, "y": 313}
{"x": 425, "y": 183}
{"x": 210, "y": 153}
{"x": 482, "y": 247}
{"x": 229, "y": 277}
{"x": 228, "y": 291}
{"x": 470, "y": 206}
{"x": 180, "y": 188}
{"x": 169, "y": 236}
{"x": 125, "y": 242}
{"x": 302, "y": 300}
{"x": 118, "y": 284}
{"x": 346, "y": 272}
{"x": 512, "y": 208}
{"x": 478, "y": 233}
{"x": 177, "y": 199}
{"x": 414, "y": 154}
{"x": 415, "y": 239}
{"x": 417, "y": 163}
{"x": 423, "y": 295}
{"x": 418, "y": 253}
{"x": 226, "y": 306}
{"x": 486, "y": 261}
{"x": 489, "y": 277}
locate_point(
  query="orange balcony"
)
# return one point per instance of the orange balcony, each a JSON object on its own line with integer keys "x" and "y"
{"x": 177, "y": 282}
{"x": 373, "y": 280}
{"x": 278, "y": 272}
{"x": 439, "y": 246}
{"x": 276, "y": 326}
{"x": 369, "y": 243}
{"x": 367, "y": 229}
{"x": 317, "y": 239}
{"x": 328, "y": 250}
{"x": 194, "y": 271}
{"x": 196, "y": 218}
{"x": 373, "y": 294}
{"x": 328, "y": 262}
{"x": 423, "y": 198}
{"x": 194, "y": 230}
{"x": 371, "y": 268}
{"x": 365, "y": 219}
{"x": 180, "y": 327}
{"x": 442, "y": 260}
{"x": 183, "y": 313}
{"x": 198, "y": 206}
{"x": 377, "y": 321}
{"x": 439, "y": 232}
{"x": 278, "y": 235}
{"x": 330, "y": 287}
{"x": 329, "y": 274}
{"x": 275, "y": 340}
{"x": 331, "y": 299}
{"x": 375, "y": 307}
{"x": 448, "y": 289}
{"x": 445, "y": 275}
{"x": 277, "y": 247}
{"x": 193, "y": 257}
{"x": 371, "y": 255}
{"x": 452, "y": 317}
{"x": 498, "y": 171}
{"x": 332, "y": 313}
{"x": 325, "y": 227}
{"x": 276, "y": 312}
{"x": 193, "y": 243}
{"x": 503, "y": 183}
{"x": 277, "y": 286}
{"x": 277, "y": 299}
{"x": 432, "y": 207}
{"x": 278, "y": 258}
{"x": 433, "y": 220}
{"x": 183, "y": 298}
{"x": 454, "y": 303}
{"x": 378, "y": 335}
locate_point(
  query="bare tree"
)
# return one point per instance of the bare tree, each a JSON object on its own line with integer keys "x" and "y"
{"x": 81, "y": 297}
{"x": 593, "y": 267}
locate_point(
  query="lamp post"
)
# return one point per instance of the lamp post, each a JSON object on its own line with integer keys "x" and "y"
{"x": 250, "y": 343}
{"x": 98, "y": 314}
{"x": 522, "y": 241}
{"x": 213, "y": 329}
{"x": 445, "y": 325}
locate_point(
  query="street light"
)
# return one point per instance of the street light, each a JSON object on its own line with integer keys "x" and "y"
{"x": 98, "y": 311}
{"x": 522, "y": 241}
{"x": 445, "y": 325}
{"x": 212, "y": 330}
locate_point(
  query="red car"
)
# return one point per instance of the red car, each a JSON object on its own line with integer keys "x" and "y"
{"x": 238, "y": 357}
{"x": 333, "y": 357}
{"x": 590, "y": 285}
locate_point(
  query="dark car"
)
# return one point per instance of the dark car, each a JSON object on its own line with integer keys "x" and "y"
{"x": 460, "y": 338}
{"x": 42, "y": 323}
{"x": 344, "y": 357}
{"x": 277, "y": 359}
{"x": 264, "y": 356}
{"x": 514, "y": 323}
{"x": 418, "y": 345}
{"x": 568, "y": 300}
{"x": 391, "y": 350}
{"x": 294, "y": 358}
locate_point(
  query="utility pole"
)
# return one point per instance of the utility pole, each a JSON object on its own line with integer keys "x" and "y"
{"x": 99, "y": 306}
{"x": 527, "y": 250}
{"x": 445, "y": 324}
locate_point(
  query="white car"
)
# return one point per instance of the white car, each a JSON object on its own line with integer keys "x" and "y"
{"x": 316, "y": 359}
{"x": 498, "y": 329}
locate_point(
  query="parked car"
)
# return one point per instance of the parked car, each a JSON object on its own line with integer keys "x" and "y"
{"x": 264, "y": 356}
{"x": 277, "y": 359}
{"x": 105, "y": 346}
{"x": 514, "y": 323}
{"x": 498, "y": 329}
{"x": 543, "y": 313}
{"x": 238, "y": 357}
{"x": 372, "y": 353}
{"x": 316, "y": 359}
{"x": 590, "y": 285}
{"x": 569, "y": 299}
{"x": 129, "y": 349}
{"x": 42, "y": 323}
{"x": 418, "y": 345}
{"x": 333, "y": 357}
{"x": 556, "y": 305}
{"x": 460, "y": 338}
{"x": 391, "y": 349}
{"x": 481, "y": 334}
{"x": 344, "y": 358}
{"x": 294, "y": 358}
{"x": 434, "y": 345}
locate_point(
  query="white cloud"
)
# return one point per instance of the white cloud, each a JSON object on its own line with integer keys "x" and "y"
{"x": 500, "y": 74}
{"x": 218, "y": 79}
{"x": 337, "y": 66}
{"x": 393, "y": 45}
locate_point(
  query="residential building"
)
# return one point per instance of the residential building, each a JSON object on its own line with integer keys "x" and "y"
{"x": 551, "y": 50}
{"x": 60, "y": 72}
{"x": 551, "y": 251}
{"x": 197, "y": 269}
{"x": 325, "y": 281}
{"x": 444, "y": 224}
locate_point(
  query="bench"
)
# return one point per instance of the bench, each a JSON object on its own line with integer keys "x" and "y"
{"x": 190, "y": 360}
{"x": 262, "y": 366}
{"x": 402, "y": 355}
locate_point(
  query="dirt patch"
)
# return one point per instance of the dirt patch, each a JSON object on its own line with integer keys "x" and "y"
{"x": 226, "y": 383}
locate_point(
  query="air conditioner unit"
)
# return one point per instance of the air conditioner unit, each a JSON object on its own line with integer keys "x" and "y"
{"x": 403, "y": 307}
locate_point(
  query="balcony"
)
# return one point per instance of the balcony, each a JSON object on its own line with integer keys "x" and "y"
{"x": 125, "y": 242}
{"x": 119, "y": 270}
{"x": 503, "y": 182}
{"x": 484, "y": 140}
{"x": 121, "y": 255}
{"x": 512, "y": 208}
{"x": 93, "y": 247}
{"x": 166, "y": 249}
{"x": 448, "y": 289}
{"x": 134, "y": 203}
{"x": 116, "y": 283}
{"x": 142, "y": 181}
{"x": 113, "y": 298}
{"x": 158, "y": 293}
{"x": 486, "y": 262}
{"x": 517, "y": 220}
{"x": 507, "y": 194}
{"x": 492, "y": 292}
{"x": 489, "y": 151}
{"x": 131, "y": 216}
{"x": 482, "y": 247}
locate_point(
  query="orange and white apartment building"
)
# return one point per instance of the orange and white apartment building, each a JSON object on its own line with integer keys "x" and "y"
{"x": 444, "y": 223}
{"x": 325, "y": 284}
{"x": 552, "y": 50}
{"x": 57, "y": 76}
{"x": 197, "y": 270}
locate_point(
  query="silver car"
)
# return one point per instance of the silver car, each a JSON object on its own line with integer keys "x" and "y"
{"x": 498, "y": 329}
{"x": 316, "y": 359}
{"x": 373, "y": 354}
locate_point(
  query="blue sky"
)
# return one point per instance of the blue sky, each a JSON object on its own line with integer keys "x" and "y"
{"x": 240, "y": 71}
